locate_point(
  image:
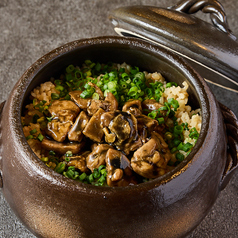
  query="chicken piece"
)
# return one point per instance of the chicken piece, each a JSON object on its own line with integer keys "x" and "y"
{"x": 93, "y": 129}
{"x": 95, "y": 105}
{"x": 113, "y": 104}
{"x": 79, "y": 161}
{"x": 109, "y": 104}
{"x": 64, "y": 110}
{"x": 164, "y": 148}
{"x": 83, "y": 103}
{"x": 148, "y": 161}
{"x": 97, "y": 156}
{"x": 58, "y": 130}
{"x": 131, "y": 145}
{"x": 75, "y": 133}
{"x": 62, "y": 148}
{"x": 64, "y": 113}
{"x": 119, "y": 172}
{"x": 97, "y": 90}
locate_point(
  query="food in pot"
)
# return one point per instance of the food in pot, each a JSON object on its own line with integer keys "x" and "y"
{"x": 110, "y": 124}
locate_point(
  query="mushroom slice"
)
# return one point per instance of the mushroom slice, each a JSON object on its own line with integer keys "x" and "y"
{"x": 113, "y": 104}
{"x": 79, "y": 161}
{"x": 119, "y": 172}
{"x": 109, "y": 137}
{"x": 75, "y": 133}
{"x": 97, "y": 156}
{"x": 58, "y": 130}
{"x": 64, "y": 110}
{"x": 93, "y": 129}
{"x": 120, "y": 127}
{"x": 132, "y": 103}
{"x": 133, "y": 107}
{"x": 107, "y": 117}
{"x": 83, "y": 103}
{"x": 147, "y": 161}
{"x": 62, "y": 148}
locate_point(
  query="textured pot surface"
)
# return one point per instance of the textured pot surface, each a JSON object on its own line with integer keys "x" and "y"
{"x": 51, "y": 205}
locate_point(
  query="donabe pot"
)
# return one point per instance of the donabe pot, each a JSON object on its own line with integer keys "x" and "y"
{"x": 51, "y": 205}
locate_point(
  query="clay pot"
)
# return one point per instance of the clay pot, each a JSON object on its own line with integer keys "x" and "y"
{"x": 51, "y": 205}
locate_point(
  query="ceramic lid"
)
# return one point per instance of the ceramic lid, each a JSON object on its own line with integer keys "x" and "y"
{"x": 211, "y": 49}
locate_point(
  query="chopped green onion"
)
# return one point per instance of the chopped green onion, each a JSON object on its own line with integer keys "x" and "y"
{"x": 67, "y": 159}
{"x": 174, "y": 103}
{"x": 176, "y": 142}
{"x": 179, "y": 157}
{"x": 50, "y": 118}
{"x": 83, "y": 176}
{"x": 33, "y": 131}
{"x": 70, "y": 69}
{"x": 90, "y": 178}
{"x": 60, "y": 167}
{"x": 85, "y": 94}
{"x": 178, "y": 130}
{"x": 68, "y": 77}
{"x": 173, "y": 150}
{"x": 35, "y": 118}
{"x": 160, "y": 120}
{"x": 69, "y": 153}
{"x": 59, "y": 88}
{"x": 44, "y": 159}
{"x": 185, "y": 147}
{"x": 168, "y": 135}
{"x": 98, "y": 67}
{"x": 29, "y": 137}
{"x": 70, "y": 173}
{"x": 95, "y": 96}
{"x": 54, "y": 96}
{"x": 40, "y": 137}
{"x": 51, "y": 152}
{"x": 96, "y": 173}
{"x": 170, "y": 84}
{"x": 193, "y": 133}
{"x": 153, "y": 114}
{"x": 101, "y": 167}
{"x": 102, "y": 179}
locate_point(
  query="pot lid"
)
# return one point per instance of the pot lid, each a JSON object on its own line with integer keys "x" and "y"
{"x": 211, "y": 49}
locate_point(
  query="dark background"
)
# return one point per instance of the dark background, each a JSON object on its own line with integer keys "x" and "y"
{"x": 29, "y": 29}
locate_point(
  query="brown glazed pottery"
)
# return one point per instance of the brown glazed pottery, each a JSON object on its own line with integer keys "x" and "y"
{"x": 51, "y": 205}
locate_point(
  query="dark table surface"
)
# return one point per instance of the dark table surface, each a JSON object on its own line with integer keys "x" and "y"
{"x": 29, "y": 29}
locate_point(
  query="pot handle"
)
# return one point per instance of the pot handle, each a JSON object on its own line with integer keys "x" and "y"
{"x": 231, "y": 124}
{"x": 216, "y": 10}
{"x": 1, "y": 109}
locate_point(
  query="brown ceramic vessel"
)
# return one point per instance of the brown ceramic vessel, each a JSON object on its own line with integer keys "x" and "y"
{"x": 51, "y": 205}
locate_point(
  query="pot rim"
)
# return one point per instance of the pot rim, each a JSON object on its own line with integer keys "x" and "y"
{"x": 58, "y": 52}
